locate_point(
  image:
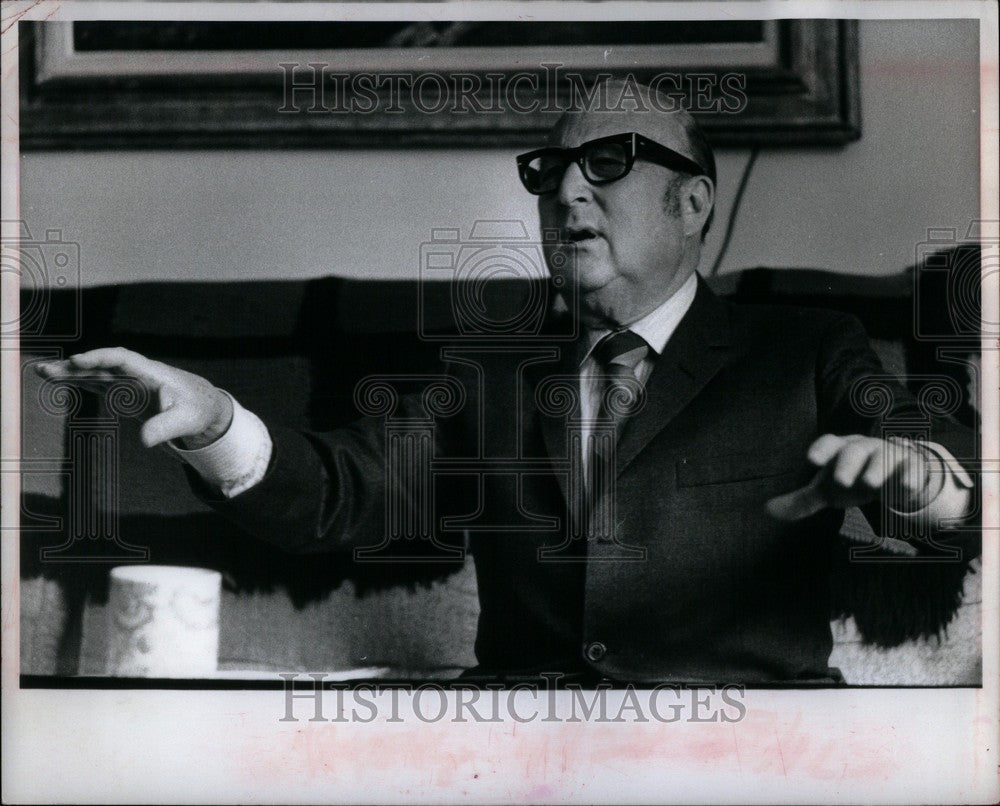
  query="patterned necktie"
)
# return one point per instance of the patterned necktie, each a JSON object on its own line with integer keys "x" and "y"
{"x": 617, "y": 355}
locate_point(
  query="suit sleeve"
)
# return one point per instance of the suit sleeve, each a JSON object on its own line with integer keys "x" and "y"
{"x": 325, "y": 491}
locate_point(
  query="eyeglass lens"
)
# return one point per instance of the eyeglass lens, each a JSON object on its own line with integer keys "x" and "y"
{"x": 602, "y": 162}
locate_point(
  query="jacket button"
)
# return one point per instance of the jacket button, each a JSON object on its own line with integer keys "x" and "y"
{"x": 595, "y": 650}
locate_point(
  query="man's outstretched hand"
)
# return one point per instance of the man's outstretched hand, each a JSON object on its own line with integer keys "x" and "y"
{"x": 183, "y": 406}
{"x": 856, "y": 470}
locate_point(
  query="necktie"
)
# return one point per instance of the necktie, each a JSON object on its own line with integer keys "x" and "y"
{"x": 617, "y": 356}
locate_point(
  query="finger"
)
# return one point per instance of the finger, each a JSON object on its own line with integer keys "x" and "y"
{"x": 824, "y": 449}
{"x": 95, "y": 381}
{"x": 64, "y": 371}
{"x": 881, "y": 466}
{"x": 47, "y": 368}
{"x": 111, "y": 360}
{"x": 851, "y": 460}
{"x": 174, "y": 423}
{"x": 798, "y": 504}
{"x": 117, "y": 359}
{"x": 909, "y": 478}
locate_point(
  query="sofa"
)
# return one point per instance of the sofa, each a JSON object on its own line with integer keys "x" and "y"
{"x": 294, "y": 351}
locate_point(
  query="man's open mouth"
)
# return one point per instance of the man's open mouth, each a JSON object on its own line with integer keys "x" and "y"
{"x": 579, "y": 235}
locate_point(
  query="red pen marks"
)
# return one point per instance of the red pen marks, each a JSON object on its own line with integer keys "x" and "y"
{"x": 543, "y": 761}
{"x": 540, "y": 793}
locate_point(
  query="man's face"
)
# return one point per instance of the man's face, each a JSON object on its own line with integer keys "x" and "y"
{"x": 627, "y": 250}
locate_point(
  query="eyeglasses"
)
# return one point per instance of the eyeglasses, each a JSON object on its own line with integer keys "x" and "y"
{"x": 604, "y": 160}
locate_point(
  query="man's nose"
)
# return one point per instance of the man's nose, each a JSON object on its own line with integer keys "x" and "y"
{"x": 574, "y": 187}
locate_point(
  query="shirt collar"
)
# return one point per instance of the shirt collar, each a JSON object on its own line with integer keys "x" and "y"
{"x": 657, "y": 326}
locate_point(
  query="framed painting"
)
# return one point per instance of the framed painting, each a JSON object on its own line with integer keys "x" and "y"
{"x": 109, "y": 84}
{"x": 162, "y": 84}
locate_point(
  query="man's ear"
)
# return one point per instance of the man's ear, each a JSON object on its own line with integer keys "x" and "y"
{"x": 697, "y": 200}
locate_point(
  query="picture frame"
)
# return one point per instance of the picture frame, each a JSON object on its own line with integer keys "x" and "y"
{"x": 112, "y": 84}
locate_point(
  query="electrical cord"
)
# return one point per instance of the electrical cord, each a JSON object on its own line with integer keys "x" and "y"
{"x": 734, "y": 213}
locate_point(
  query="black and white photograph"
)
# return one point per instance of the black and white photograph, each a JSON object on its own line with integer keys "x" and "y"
{"x": 505, "y": 402}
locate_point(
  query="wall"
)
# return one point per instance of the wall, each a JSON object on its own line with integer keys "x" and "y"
{"x": 267, "y": 214}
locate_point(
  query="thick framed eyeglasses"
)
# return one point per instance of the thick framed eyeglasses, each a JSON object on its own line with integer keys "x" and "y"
{"x": 604, "y": 160}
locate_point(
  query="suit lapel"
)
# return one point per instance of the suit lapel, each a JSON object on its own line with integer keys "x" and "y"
{"x": 698, "y": 349}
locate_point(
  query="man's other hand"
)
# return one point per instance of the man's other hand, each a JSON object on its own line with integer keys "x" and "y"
{"x": 182, "y": 407}
{"x": 856, "y": 470}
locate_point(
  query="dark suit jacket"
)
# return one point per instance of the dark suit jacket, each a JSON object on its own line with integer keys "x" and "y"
{"x": 700, "y": 584}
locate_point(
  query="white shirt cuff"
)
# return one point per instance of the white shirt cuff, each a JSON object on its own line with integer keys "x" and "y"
{"x": 238, "y": 459}
{"x": 953, "y": 498}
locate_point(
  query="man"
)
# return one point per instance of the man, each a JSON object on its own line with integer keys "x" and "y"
{"x": 677, "y": 522}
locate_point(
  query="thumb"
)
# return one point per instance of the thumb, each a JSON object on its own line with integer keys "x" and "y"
{"x": 799, "y": 503}
{"x": 173, "y": 423}
{"x": 167, "y": 397}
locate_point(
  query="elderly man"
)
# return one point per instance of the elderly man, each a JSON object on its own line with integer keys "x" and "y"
{"x": 711, "y": 449}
